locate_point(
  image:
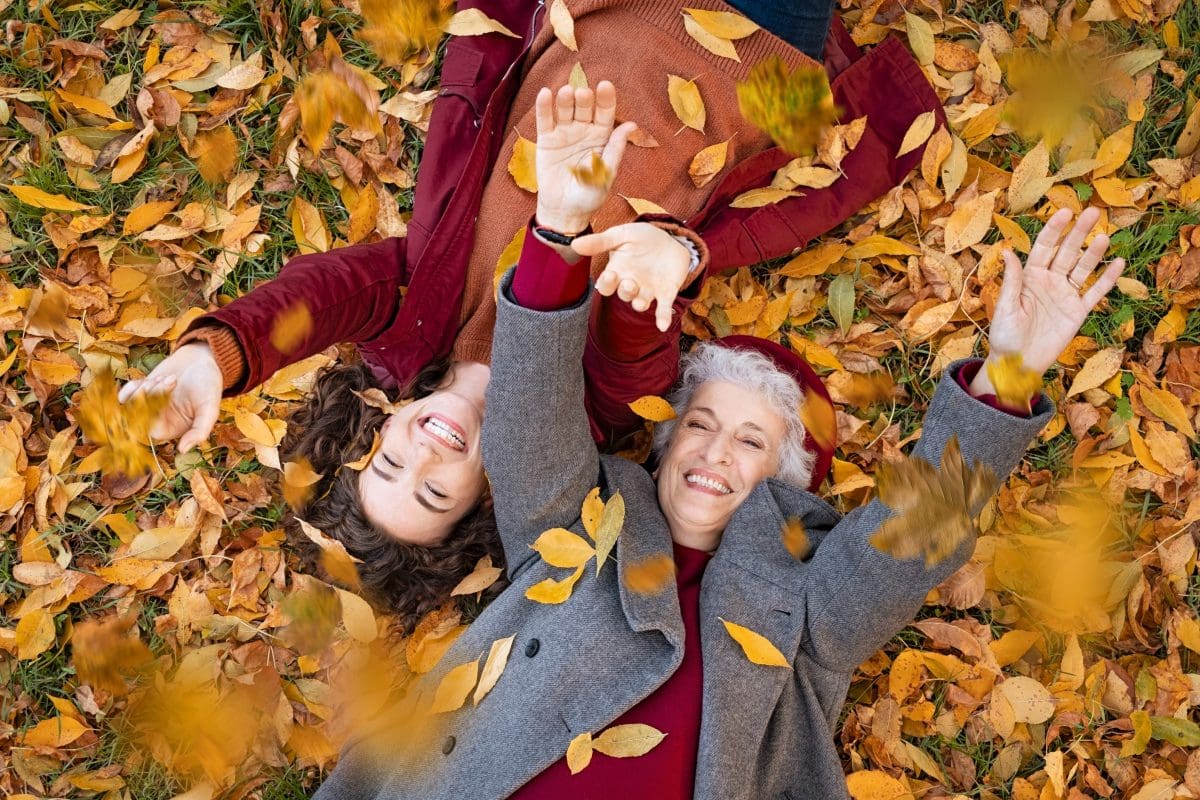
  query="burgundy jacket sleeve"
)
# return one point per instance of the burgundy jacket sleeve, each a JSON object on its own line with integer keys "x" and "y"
{"x": 889, "y": 88}
{"x": 967, "y": 373}
{"x": 543, "y": 280}
{"x": 351, "y": 294}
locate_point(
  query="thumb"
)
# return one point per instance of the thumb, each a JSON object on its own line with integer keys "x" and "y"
{"x": 614, "y": 151}
{"x": 202, "y": 425}
{"x": 662, "y": 314}
{"x": 127, "y": 391}
{"x": 595, "y": 244}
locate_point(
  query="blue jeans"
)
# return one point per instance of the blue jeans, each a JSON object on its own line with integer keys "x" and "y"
{"x": 801, "y": 23}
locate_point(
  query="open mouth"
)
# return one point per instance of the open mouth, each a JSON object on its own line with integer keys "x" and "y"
{"x": 445, "y": 431}
{"x": 707, "y": 483}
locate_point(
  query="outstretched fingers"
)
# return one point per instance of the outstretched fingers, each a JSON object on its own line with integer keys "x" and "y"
{"x": 1087, "y": 263}
{"x": 1106, "y": 281}
{"x": 606, "y": 103}
{"x": 1043, "y": 247}
{"x": 1010, "y": 286}
{"x": 1068, "y": 252}
{"x": 543, "y": 109}
{"x": 564, "y": 105}
{"x": 606, "y": 284}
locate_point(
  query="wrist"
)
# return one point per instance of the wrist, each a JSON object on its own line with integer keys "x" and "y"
{"x": 568, "y": 224}
{"x": 981, "y": 385}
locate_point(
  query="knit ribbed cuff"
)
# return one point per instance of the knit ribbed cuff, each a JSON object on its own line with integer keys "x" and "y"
{"x": 225, "y": 349}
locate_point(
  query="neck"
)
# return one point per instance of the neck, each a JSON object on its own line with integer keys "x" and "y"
{"x": 706, "y": 540}
{"x": 470, "y": 377}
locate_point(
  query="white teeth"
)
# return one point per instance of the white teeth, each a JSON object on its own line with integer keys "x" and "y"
{"x": 444, "y": 432}
{"x": 709, "y": 483}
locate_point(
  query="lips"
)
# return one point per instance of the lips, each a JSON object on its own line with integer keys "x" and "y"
{"x": 707, "y": 482}
{"x": 444, "y": 431}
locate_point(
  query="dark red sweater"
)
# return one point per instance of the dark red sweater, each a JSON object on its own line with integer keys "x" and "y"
{"x": 668, "y": 772}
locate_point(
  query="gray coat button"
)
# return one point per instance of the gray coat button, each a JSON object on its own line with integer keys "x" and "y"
{"x": 532, "y": 648}
{"x": 448, "y": 745}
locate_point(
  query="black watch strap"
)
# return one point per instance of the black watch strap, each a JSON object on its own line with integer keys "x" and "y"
{"x": 555, "y": 237}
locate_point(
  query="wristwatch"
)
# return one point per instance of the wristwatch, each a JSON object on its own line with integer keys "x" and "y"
{"x": 554, "y": 237}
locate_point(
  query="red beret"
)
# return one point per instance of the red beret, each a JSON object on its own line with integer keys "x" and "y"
{"x": 799, "y": 369}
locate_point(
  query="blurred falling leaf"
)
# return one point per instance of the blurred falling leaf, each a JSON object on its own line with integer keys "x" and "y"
{"x": 312, "y": 611}
{"x": 795, "y": 538}
{"x": 48, "y": 310}
{"x": 397, "y": 29}
{"x": 291, "y": 328}
{"x": 818, "y": 418}
{"x": 793, "y": 108}
{"x": 216, "y": 153}
{"x": 299, "y": 481}
{"x": 122, "y": 430}
{"x": 1015, "y": 385}
{"x": 594, "y": 173}
{"x": 653, "y": 408}
{"x": 650, "y": 575}
{"x": 933, "y": 508}
{"x": 758, "y": 648}
{"x": 686, "y": 102}
{"x": 521, "y": 165}
{"x": 335, "y": 559}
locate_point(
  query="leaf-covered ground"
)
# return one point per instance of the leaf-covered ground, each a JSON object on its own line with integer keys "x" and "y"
{"x": 155, "y": 639}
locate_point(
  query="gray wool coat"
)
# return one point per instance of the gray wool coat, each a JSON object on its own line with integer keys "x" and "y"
{"x": 766, "y": 732}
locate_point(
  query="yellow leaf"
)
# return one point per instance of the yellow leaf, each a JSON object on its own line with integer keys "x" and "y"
{"x": 578, "y": 79}
{"x": 918, "y": 133}
{"x": 1169, "y": 409}
{"x": 1015, "y": 385}
{"x": 708, "y": 162}
{"x": 53, "y": 732}
{"x": 308, "y": 227}
{"x": 1142, "y": 451}
{"x": 315, "y": 98}
{"x": 335, "y": 559}
{"x": 1188, "y": 631}
{"x": 766, "y": 196}
{"x": 650, "y": 575}
{"x": 876, "y": 785}
{"x": 920, "y": 38}
{"x": 879, "y": 245}
{"x": 653, "y": 408}
{"x": 969, "y": 223}
{"x": 483, "y": 576}
{"x": 795, "y": 108}
{"x": 291, "y": 328}
{"x": 592, "y": 510}
{"x": 594, "y": 173}
{"x": 818, "y": 418}
{"x": 795, "y": 538}
{"x": 358, "y": 618}
{"x": 159, "y": 544}
{"x": 364, "y": 215}
{"x": 32, "y": 196}
{"x": 473, "y": 22}
{"x": 628, "y": 741}
{"x": 814, "y": 261}
{"x": 508, "y": 258}
{"x": 1030, "y": 179}
{"x": 298, "y": 480}
{"x": 641, "y": 206}
{"x": 756, "y": 646}
{"x": 611, "y": 523}
{"x": 716, "y": 45}
{"x": 255, "y": 428}
{"x": 579, "y": 753}
{"x": 245, "y": 75}
{"x": 559, "y": 547}
{"x": 1030, "y": 700}
{"x": 104, "y": 653}
{"x": 686, "y": 102}
{"x": 121, "y": 429}
{"x": 563, "y": 24}
{"x": 493, "y": 667}
{"x": 454, "y": 688}
{"x": 905, "y": 674}
{"x": 1113, "y": 192}
{"x": 35, "y": 634}
{"x": 216, "y": 153}
{"x": 121, "y": 20}
{"x": 1013, "y": 232}
{"x": 522, "y": 164}
{"x": 399, "y": 29}
{"x": 1096, "y": 370}
{"x": 146, "y": 215}
{"x": 91, "y": 105}
{"x": 724, "y": 24}
{"x": 1113, "y": 152}
{"x": 1142, "y": 728}
{"x": 552, "y": 592}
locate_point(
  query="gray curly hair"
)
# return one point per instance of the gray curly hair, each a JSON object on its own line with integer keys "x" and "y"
{"x": 710, "y": 361}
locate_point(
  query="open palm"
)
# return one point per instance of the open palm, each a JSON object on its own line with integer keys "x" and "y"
{"x": 572, "y": 125}
{"x": 1042, "y": 305}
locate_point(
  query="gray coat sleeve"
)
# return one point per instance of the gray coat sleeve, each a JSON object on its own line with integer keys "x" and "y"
{"x": 537, "y": 446}
{"x": 858, "y": 597}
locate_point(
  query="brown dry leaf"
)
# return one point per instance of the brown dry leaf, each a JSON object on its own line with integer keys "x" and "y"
{"x": 563, "y": 24}
{"x": 1097, "y": 370}
{"x": 522, "y": 164}
{"x": 216, "y": 154}
{"x": 335, "y": 559}
{"x": 650, "y": 575}
{"x": 291, "y": 328}
{"x": 1015, "y": 385}
{"x": 579, "y": 753}
{"x": 628, "y": 741}
{"x": 35, "y": 634}
{"x": 757, "y": 647}
{"x": 793, "y": 108}
{"x": 553, "y": 592}
{"x": 642, "y": 138}
{"x": 473, "y": 22}
{"x": 652, "y": 408}
{"x": 612, "y": 521}
{"x": 299, "y": 482}
{"x": 933, "y": 508}
{"x": 122, "y": 430}
{"x": 48, "y": 311}
{"x": 559, "y": 547}
{"x": 686, "y": 102}
{"x": 594, "y": 173}
{"x": 708, "y": 162}
{"x": 493, "y": 667}
{"x": 795, "y": 538}
{"x": 105, "y": 654}
{"x": 918, "y": 133}
{"x": 714, "y": 44}
{"x": 483, "y": 576}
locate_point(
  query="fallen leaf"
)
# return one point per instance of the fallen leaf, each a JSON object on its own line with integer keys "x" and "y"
{"x": 918, "y": 133}
{"x": 766, "y": 196}
{"x": 493, "y": 667}
{"x": 686, "y": 102}
{"x": 1097, "y": 370}
{"x": 612, "y": 520}
{"x": 299, "y": 481}
{"x": 1030, "y": 700}
{"x": 559, "y": 547}
{"x": 579, "y": 753}
{"x": 35, "y": 634}
{"x": 969, "y": 223}
{"x": 335, "y": 559}
{"x": 591, "y": 512}
{"x": 483, "y": 576}
{"x": 756, "y": 646}
{"x": 33, "y": 196}
{"x": 628, "y": 741}
{"x": 473, "y": 22}
{"x": 1030, "y": 179}
{"x": 714, "y": 44}
{"x": 455, "y": 687}
{"x": 652, "y": 408}
{"x": 641, "y": 206}
{"x": 216, "y": 154}
{"x": 707, "y": 163}
{"x": 521, "y": 165}
{"x": 875, "y": 785}
{"x": 563, "y": 24}
{"x": 553, "y": 592}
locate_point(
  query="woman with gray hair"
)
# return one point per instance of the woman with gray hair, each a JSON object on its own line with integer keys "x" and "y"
{"x": 613, "y": 649}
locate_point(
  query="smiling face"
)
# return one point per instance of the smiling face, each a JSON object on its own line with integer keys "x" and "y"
{"x": 428, "y": 471}
{"x": 723, "y": 445}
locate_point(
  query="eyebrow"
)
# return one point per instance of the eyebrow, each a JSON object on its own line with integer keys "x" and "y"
{"x": 713, "y": 414}
{"x": 381, "y": 473}
{"x": 430, "y": 505}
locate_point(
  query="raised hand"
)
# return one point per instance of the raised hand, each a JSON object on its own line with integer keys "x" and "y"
{"x": 646, "y": 264}
{"x": 193, "y": 379}
{"x": 572, "y": 125}
{"x": 1042, "y": 305}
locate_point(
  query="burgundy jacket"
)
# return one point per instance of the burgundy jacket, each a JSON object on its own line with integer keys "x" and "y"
{"x": 354, "y": 293}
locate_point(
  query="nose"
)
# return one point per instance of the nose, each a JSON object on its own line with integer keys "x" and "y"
{"x": 423, "y": 454}
{"x": 719, "y": 450}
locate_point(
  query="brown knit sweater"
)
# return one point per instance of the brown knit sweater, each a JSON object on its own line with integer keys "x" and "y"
{"x": 634, "y": 44}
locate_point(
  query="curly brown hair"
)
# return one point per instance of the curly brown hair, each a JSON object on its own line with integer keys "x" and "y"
{"x": 333, "y": 427}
